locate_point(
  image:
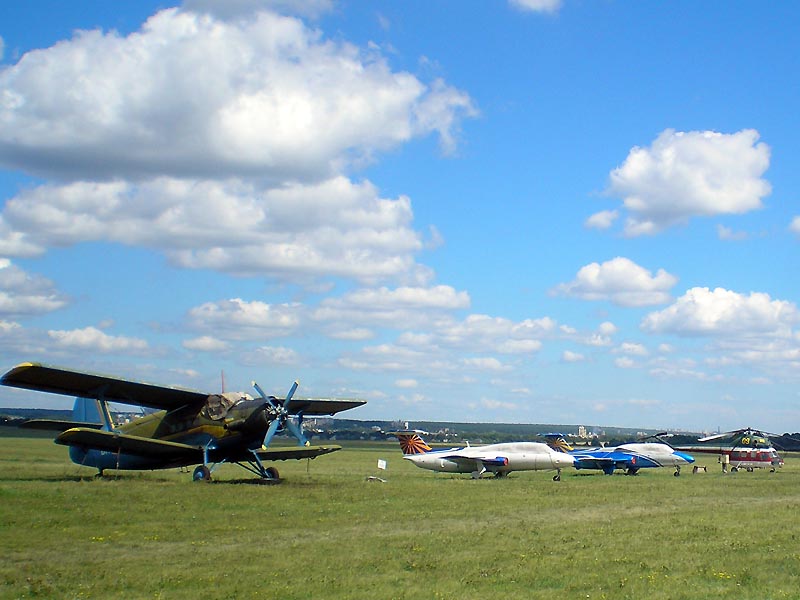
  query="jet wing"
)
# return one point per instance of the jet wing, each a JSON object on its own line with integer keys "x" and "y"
{"x": 45, "y": 378}
{"x": 597, "y": 462}
{"x": 320, "y": 407}
{"x": 128, "y": 444}
{"x": 491, "y": 460}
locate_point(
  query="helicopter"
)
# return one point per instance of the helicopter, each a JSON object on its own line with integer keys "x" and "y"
{"x": 747, "y": 449}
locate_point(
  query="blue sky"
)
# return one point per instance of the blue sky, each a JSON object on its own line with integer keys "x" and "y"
{"x": 526, "y": 211}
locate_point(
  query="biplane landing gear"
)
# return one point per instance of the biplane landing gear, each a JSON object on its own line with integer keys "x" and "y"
{"x": 557, "y": 476}
{"x": 677, "y": 472}
{"x": 271, "y": 473}
{"x": 201, "y": 473}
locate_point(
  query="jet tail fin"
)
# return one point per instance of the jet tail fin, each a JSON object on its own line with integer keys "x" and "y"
{"x": 558, "y": 442}
{"x": 411, "y": 442}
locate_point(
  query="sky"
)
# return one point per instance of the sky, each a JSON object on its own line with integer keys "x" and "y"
{"x": 522, "y": 211}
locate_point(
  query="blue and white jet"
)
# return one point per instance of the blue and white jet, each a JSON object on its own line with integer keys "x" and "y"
{"x": 628, "y": 457}
{"x": 499, "y": 459}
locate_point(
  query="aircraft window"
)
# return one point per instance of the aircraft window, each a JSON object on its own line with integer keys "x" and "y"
{"x": 218, "y": 405}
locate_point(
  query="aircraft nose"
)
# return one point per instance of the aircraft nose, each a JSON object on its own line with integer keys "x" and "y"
{"x": 564, "y": 460}
{"x": 687, "y": 457}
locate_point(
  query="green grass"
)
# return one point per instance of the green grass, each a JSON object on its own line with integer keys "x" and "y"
{"x": 326, "y": 532}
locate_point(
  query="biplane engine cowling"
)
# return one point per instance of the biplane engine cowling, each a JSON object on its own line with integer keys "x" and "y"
{"x": 237, "y": 425}
{"x": 254, "y": 423}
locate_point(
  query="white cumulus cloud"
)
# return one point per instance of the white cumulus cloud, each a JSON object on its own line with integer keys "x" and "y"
{"x": 487, "y": 363}
{"x": 23, "y": 294}
{"x": 794, "y": 227}
{"x": 569, "y": 356}
{"x": 691, "y": 174}
{"x": 402, "y": 307}
{"x": 191, "y": 95}
{"x": 602, "y": 220}
{"x": 232, "y": 9}
{"x": 620, "y": 281}
{"x": 237, "y": 319}
{"x": 299, "y": 232}
{"x": 206, "y": 343}
{"x": 724, "y": 313}
{"x": 547, "y": 6}
{"x": 94, "y": 340}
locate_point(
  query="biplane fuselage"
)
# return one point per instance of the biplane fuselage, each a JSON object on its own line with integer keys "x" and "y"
{"x": 182, "y": 427}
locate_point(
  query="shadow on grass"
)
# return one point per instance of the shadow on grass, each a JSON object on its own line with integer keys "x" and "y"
{"x": 248, "y": 481}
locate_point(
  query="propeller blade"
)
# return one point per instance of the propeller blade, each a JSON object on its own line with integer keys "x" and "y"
{"x": 273, "y": 427}
{"x": 297, "y": 431}
{"x": 269, "y": 399}
{"x": 292, "y": 390}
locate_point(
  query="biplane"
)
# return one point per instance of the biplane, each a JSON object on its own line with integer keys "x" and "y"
{"x": 185, "y": 428}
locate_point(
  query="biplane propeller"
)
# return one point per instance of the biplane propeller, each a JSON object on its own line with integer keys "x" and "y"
{"x": 187, "y": 428}
{"x": 279, "y": 417}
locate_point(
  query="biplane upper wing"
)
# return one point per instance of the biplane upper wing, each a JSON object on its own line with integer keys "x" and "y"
{"x": 128, "y": 444}
{"x": 45, "y": 378}
{"x": 320, "y": 407}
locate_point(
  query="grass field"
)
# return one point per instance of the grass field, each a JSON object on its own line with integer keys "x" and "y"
{"x": 327, "y": 533}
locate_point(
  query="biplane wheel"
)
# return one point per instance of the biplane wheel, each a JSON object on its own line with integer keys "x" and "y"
{"x": 271, "y": 473}
{"x": 676, "y": 474}
{"x": 201, "y": 473}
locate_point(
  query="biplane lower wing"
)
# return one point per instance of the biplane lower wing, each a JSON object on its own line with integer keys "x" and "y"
{"x": 295, "y": 453}
{"x": 110, "y": 441}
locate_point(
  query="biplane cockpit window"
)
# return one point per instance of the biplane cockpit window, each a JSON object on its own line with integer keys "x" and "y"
{"x": 218, "y": 405}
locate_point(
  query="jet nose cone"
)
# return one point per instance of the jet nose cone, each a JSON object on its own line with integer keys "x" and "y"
{"x": 564, "y": 460}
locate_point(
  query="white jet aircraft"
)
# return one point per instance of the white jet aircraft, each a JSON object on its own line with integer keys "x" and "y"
{"x": 499, "y": 459}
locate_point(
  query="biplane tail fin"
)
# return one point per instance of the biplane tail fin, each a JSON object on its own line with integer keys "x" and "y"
{"x": 89, "y": 410}
{"x": 411, "y": 442}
